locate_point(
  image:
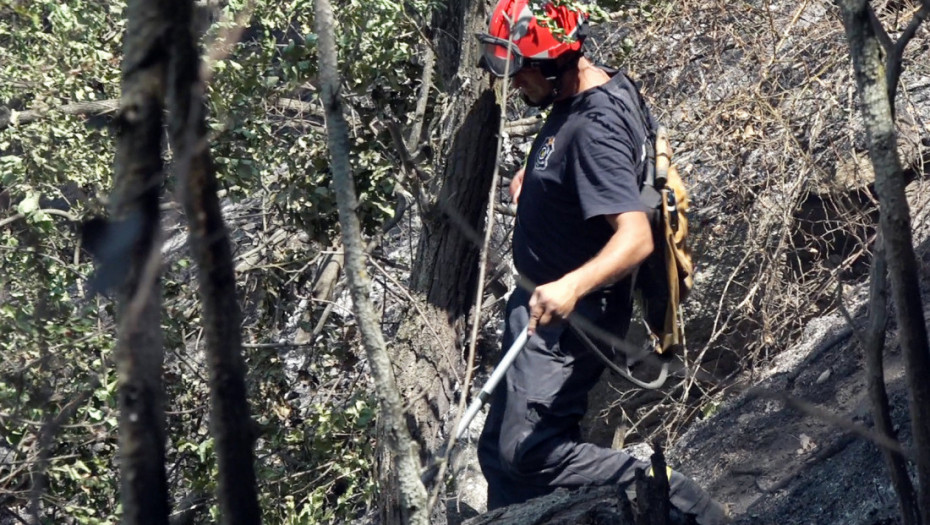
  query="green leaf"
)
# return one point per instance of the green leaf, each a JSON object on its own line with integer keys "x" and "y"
{"x": 204, "y": 448}
{"x": 30, "y": 204}
{"x": 9, "y": 161}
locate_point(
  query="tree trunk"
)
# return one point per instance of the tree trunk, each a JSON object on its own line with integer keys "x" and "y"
{"x": 403, "y": 501}
{"x": 139, "y": 353}
{"x": 890, "y": 184}
{"x": 425, "y": 353}
{"x": 878, "y": 395}
{"x": 209, "y": 243}
{"x": 447, "y": 255}
{"x": 445, "y": 269}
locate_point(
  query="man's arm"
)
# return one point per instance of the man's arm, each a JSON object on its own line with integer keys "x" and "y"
{"x": 516, "y": 184}
{"x": 630, "y": 244}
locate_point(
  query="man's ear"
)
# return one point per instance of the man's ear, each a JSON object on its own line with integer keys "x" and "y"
{"x": 566, "y": 60}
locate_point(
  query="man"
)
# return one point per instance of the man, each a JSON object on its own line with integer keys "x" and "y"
{"x": 581, "y": 232}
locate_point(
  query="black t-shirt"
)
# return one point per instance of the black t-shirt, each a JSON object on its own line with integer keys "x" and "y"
{"x": 584, "y": 163}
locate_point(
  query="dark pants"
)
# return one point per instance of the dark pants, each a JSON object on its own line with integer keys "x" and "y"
{"x": 531, "y": 439}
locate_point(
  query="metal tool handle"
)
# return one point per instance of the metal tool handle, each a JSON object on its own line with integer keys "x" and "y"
{"x": 492, "y": 382}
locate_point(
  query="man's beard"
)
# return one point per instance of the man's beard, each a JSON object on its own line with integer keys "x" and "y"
{"x": 545, "y": 101}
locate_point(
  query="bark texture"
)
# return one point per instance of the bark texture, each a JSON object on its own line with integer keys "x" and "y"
{"x": 868, "y": 61}
{"x": 405, "y": 501}
{"x": 455, "y": 202}
{"x": 878, "y": 394}
{"x": 138, "y": 179}
{"x": 447, "y": 254}
{"x": 209, "y": 243}
{"x": 452, "y": 206}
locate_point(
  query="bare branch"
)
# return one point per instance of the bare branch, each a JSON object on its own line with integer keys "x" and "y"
{"x": 875, "y": 343}
{"x": 880, "y": 32}
{"x": 415, "y": 175}
{"x": 919, "y": 17}
{"x": 412, "y": 494}
{"x": 895, "y": 60}
{"x": 49, "y": 211}
{"x": 524, "y": 127}
{"x": 426, "y": 85}
{"x": 11, "y": 219}
{"x": 307, "y": 112}
{"x": 9, "y": 117}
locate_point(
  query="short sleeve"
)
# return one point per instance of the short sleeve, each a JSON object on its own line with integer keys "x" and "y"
{"x": 608, "y": 154}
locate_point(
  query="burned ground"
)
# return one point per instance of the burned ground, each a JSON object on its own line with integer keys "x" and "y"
{"x": 765, "y": 120}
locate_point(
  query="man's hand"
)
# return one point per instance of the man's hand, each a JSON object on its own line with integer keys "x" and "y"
{"x": 552, "y": 302}
{"x": 516, "y": 184}
{"x": 630, "y": 244}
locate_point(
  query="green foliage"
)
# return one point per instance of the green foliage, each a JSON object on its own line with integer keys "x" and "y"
{"x": 315, "y": 458}
{"x": 57, "y": 53}
{"x": 593, "y": 10}
{"x": 709, "y": 409}
{"x": 263, "y": 140}
{"x": 336, "y": 441}
{"x": 53, "y": 350}
{"x": 53, "y": 355}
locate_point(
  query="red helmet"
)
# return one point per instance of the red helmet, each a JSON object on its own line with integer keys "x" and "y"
{"x": 514, "y": 25}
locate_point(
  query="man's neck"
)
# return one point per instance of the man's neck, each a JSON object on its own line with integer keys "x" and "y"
{"x": 582, "y": 78}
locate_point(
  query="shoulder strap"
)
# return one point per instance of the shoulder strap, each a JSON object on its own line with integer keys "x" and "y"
{"x": 651, "y": 128}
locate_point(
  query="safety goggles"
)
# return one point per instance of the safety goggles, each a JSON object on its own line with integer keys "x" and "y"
{"x": 494, "y": 56}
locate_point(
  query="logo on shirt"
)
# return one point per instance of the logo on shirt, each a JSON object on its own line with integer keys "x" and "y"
{"x": 542, "y": 158}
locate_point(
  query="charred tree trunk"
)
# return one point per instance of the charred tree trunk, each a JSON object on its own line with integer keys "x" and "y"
{"x": 138, "y": 179}
{"x": 447, "y": 255}
{"x": 877, "y": 110}
{"x": 607, "y": 505}
{"x": 404, "y": 499}
{"x": 601, "y": 505}
{"x": 209, "y": 243}
{"x": 454, "y": 208}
